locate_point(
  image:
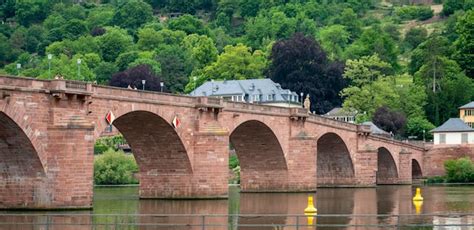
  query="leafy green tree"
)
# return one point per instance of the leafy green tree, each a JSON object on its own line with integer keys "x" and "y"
{"x": 5, "y": 50}
{"x": 7, "y": 9}
{"x": 374, "y": 40}
{"x": 53, "y": 21}
{"x": 83, "y": 45}
{"x": 34, "y": 39}
{"x": 74, "y": 28}
{"x": 176, "y": 66}
{"x": 270, "y": 26}
{"x": 366, "y": 70}
{"x": 235, "y": 63}
{"x": 428, "y": 52}
{"x": 100, "y": 16}
{"x": 124, "y": 59}
{"x": 31, "y": 11}
{"x": 201, "y": 49}
{"x": 132, "y": 14}
{"x": 415, "y": 36}
{"x": 114, "y": 42}
{"x": 349, "y": 19}
{"x": 189, "y": 24}
{"x": 420, "y": 128}
{"x": 450, "y": 6}
{"x": 70, "y": 11}
{"x": 150, "y": 39}
{"x": 301, "y": 65}
{"x": 104, "y": 72}
{"x": 464, "y": 54}
{"x": 414, "y": 12}
{"x": 334, "y": 39}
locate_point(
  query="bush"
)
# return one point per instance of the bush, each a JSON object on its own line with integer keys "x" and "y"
{"x": 435, "y": 180}
{"x": 460, "y": 170}
{"x": 113, "y": 168}
{"x": 414, "y": 12}
{"x": 233, "y": 161}
{"x": 104, "y": 143}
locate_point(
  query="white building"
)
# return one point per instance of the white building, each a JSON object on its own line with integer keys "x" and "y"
{"x": 258, "y": 91}
{"x": 340, "y": 114}
{"x": 453, "y": 132}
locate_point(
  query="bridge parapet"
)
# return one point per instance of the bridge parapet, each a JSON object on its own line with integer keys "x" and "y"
{"x": 333, "y": 123}
{"x": 255, "y": 108}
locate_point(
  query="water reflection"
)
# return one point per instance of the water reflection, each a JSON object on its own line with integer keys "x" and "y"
{"x": 387, "y": 200}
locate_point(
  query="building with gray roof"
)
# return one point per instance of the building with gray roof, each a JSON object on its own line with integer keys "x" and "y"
{"x": 261, "y": 91}
{"x": 453, "y": 131}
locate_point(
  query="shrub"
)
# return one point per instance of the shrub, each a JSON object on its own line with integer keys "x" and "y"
{"x": 233, "y": 161}
{"x": 414, "y": 12}
{"x": 104, "y": 143}
{"x": 113, "y": 168}
{"x": 460, "y": 170}
{"x": 435, "y": 180}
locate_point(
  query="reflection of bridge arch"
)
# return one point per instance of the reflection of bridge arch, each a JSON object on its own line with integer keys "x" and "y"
{"x": 387, "y": 172}
{"x": 416, "y": 172}
{"x": 262, "y": 161}
{"x": 160, "y": 154}
{"x": 334, "y": 163}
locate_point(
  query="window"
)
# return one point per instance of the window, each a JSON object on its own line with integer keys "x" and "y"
{"x": 442, "y": 138}
{"x": 271, "y": 97}
{"x": 471, "y": 124}
{"x": 256, "y": 98}
{"x": 464, "y": 138}
{"x": 237, "y": 98}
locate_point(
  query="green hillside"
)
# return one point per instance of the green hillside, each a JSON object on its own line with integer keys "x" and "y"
{"x": 379, "y": 58}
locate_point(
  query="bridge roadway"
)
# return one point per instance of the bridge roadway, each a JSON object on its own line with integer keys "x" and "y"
{"x": 48, "y": 129}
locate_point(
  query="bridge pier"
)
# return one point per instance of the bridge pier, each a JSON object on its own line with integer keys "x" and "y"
{"x": 366, "y": 167}
{"x": 302, "y": 164}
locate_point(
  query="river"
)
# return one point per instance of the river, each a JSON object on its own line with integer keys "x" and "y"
{"x": 391, "y": 200}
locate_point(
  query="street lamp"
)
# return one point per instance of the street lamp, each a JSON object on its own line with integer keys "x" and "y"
{"x": 424, "y": 135}
{"x": 194, "y": 90}
{"x": 50, "y": 56}
{"x": 143, "y": 84}
{"x": 301, "y": 94}
{"x": 79, "y": 68}
{"x": 18, "y": 67}
{"x": 161, "y": 85}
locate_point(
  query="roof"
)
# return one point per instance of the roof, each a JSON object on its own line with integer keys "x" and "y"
{"x": 250, "y": 87}
{"x": 338, "y": 111}
{"x": 453, "y": 125}
{"x": 374, "y": 129}
{"x": 469, "y": 105}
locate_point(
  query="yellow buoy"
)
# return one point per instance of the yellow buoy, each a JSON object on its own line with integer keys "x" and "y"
{"x": 418, "y": 204}
{"x": 418, "y": 196}
{"x": 310, "y": 209}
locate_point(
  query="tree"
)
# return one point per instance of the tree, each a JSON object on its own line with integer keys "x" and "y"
{"x": 189, "y": 24}
{"x": 450, "y": 6}
{"x": 114, "y": 42}
{"x": 201, "y": 49}
{"x": 150, "y": 39}
{"x": 415, "y": 36}
{"x": 104, "y": 72}
{"x": 366, "y": 70}
{"x": 465, "y": 43}
{"x": 31, "y": 11}
{"x": 235, "y": 63}
{"x": 348, "y": 19}
{"x": 374, "y": 40}
{"x": 74, "y": 28}
{"x": 428, "y": 52}
{"x": 300, "y": 64}
{"x": 389, "y": 120}
{"x": 420, "y": 128}
{"x": 132, "y": 14}
{"x": 100, "y": 16}
{"x": 176, "y": 66}
{"x": 133, "y": 77}
{"x": 334, "y": 39}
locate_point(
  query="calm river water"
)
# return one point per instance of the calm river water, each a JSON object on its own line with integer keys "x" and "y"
{"x": 353, "y": 201}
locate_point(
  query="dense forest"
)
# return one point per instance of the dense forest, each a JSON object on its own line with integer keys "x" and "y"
{"x": 406, "y": 65}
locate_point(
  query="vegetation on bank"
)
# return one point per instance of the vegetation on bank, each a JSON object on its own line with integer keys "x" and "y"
{"x": 234, "y": 167}
{"x": 457, "y": 171}
{"x": 111, "y": 165}
{"x": 114, "y": 168}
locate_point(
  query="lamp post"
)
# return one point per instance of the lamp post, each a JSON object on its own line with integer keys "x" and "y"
{"x": 289, "y": 95}
{"x": 301, "y": 99}
{"x": 161, "y": 86}
{"x": 18, "y": 67}
{"x": 79, "y": 68}
{"x": 50, "y": 56}
{"x": 424, "y": 135}
{"x": 143, "y": 84}
{"x": 194, "y": 90}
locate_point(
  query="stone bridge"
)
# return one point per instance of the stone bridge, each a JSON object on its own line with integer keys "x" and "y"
{"x": 48, "y": 130}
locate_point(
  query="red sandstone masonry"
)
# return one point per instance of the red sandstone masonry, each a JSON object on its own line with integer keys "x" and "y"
{"x": 280, "y": 149}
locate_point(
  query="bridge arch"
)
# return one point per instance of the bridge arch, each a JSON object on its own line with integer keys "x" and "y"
{"x": 387, "y": 172}
{"x": 334, "y": 165}
{"x": 262, "y": 160}
{"x": 18, "y": 156}
{"x": 416, "y": 172}
{"x": 162, "y": 159}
